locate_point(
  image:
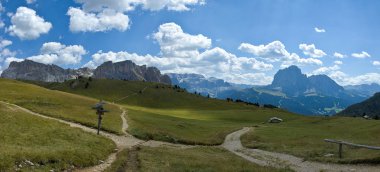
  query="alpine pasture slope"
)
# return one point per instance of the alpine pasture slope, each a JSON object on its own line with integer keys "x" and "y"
{"x": 28, "y": 137}
{"x": 31, "y": 143}
{"x": 163, "y": 112}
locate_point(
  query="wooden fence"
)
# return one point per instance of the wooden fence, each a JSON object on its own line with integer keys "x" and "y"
{"x": 341, "y": 143}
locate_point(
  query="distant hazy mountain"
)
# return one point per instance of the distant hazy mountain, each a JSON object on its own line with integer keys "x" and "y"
{"x": 30, "y": 70}
{"x": 290, "y": 89}
{"x": 127, "y": 70}
{"x": 205, "y": 86}
{"x": 370, "y": 107}
{"x": 364, "y": 89}
{"x": 293, "y": 83}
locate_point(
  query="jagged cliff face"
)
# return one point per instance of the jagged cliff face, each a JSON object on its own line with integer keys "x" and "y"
{"x": 127, "y": 70}
{"x": 30, "y": 70}
{"x": 292, "y": 82}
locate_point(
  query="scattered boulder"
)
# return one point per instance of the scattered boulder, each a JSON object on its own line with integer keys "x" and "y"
{"x": 329, "y": 155}
{"x": 275, "y": 120}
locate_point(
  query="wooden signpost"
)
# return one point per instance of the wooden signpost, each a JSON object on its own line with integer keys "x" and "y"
{"x": 100, "y": 112}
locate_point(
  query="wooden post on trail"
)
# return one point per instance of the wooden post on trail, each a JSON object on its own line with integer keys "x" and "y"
{"x": 100, "y": 112}
{"x": 340, "y": 150}
{"x": 341, "y": 143}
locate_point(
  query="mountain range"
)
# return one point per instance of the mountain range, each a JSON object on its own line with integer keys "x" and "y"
{"x": 290, "y": 89}
{"x": 369, "y": 107}
{"x": 125, "y": 70}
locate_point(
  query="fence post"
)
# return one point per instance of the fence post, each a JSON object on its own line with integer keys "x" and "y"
{"x": 340, "y": 150}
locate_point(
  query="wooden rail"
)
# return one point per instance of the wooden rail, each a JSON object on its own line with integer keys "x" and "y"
{"x": 341, "y": 143}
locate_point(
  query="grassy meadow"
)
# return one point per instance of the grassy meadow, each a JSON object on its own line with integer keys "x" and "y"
{"x": 162, "y": 112}
{"x": 47, "y": 144}
{"x": 304, "y": 137}
{"x": 59, "y": 104}
{"x": 202, "y": 159}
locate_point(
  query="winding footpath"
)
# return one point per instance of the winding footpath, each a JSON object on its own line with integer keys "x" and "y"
{"x": 231, "y": 143}
{"x": 279, "y": 160}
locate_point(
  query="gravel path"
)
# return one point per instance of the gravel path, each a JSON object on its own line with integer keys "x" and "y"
{"x": 232, "y": 143}
{"x": 122, "y": 142}
{"x": 265, "y": 158}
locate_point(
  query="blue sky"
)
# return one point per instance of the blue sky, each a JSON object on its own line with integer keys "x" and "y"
{"x": 219, "y": 38}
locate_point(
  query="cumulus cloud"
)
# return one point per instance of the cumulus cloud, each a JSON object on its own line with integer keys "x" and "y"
{"x": 339, "y": 55}
{"x": 376, "y": 63}
{"x": 361, "y": 55}
{"x": 186, "y": 53}
{"x": 311, "y": 51}
{"x": 27, "y": 25}
{"x": 275, "y": 52}
{"x": 175, "y": 43}
{"x": 319, "y": 30}
{"x": 344, "y": 79}
{"x": 57, "y": 53}
{"x": 338, "y": 62}
{"x": 129, "y": 5}
{"x": 102, "y": 15}
{"x": 5, "y": 54}
{"x": 326, "y": 70}
{"x": 106, "y": 20}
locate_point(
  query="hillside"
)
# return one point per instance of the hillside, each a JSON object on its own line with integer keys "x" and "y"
{"x": 370, "y": 107}
{"x": 46, "y": 144}
{"x": 58, "y": 104}
{"x": 163, "y": 112}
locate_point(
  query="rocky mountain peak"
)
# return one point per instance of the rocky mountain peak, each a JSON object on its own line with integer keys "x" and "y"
{"x": 127, "y": 70}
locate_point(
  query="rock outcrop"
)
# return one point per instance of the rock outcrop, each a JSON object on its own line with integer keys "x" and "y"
{"x": 30, "y": 70}
{"x": 127, "y": 70}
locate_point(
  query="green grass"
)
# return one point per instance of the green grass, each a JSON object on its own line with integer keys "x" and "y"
{"x": 120, "y": 164}
{"x": 164, "y": 113}
{"x": 59, "y": 104}
{"x": 201, "y": 159}
{"x": 205, "y": 127}
{"x": 46, "y": 143}
{"x": 304, "y": 137}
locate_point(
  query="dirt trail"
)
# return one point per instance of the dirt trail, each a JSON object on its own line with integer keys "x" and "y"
{"x": 122, "y": 142}
{"x": 265, "y": 158}
{"x": 232, "y": 143}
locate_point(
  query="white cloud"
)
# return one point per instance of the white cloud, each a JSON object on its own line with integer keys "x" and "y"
{"x": 339, "y": 55}
{"x": 325, "y": 70}
{"x": 319, "y": 30}
{"x": 5, "y": 43}
{"x": 105, "y": 15}
{"x": 27, "y": 25}
{"x": 344, "y": 79}
{"x": 338, "y": 62}
{"x": 376, "y": 63}
{"x": 275, "y": 52}
{"x": 57, "y": 53}
{"x": 129, "y": 5}
{"x": 181, "y": 53}
{"x": 175, "y": 43}
{"x": 361, "y": 55}
{"x": 106, "y": 20}
{"x": 311, "y": 51}
{"x": 30, "y": 1}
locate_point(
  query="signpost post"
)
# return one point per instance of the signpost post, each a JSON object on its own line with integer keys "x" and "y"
{"x": 100, "y": 112}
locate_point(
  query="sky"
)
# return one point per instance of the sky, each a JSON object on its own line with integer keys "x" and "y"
{"x": 245, "y": 41}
